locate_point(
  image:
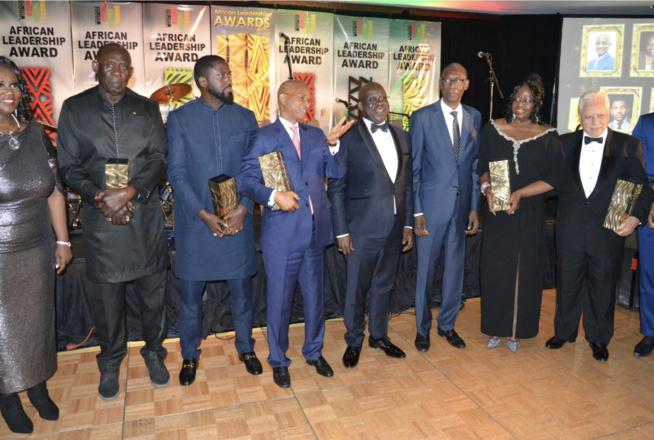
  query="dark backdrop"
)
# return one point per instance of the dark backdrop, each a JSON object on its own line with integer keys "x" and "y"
{"x": 519, "y": 44}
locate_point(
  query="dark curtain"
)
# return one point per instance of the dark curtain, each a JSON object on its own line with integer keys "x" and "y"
{"x": 520, "y": 44}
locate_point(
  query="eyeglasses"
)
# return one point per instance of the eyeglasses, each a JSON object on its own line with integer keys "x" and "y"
{"x": 457, "y": 81}
{"x": 304, "y": 98}
{"x": 375, "y": 99}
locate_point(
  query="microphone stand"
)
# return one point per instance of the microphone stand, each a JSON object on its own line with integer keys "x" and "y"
{"x": 493, "y": 80}
{"x": 288, "y": 58}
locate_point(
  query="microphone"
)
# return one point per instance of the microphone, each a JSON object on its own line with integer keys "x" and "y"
{"x": 483, "y": 55}
{"x": 283, "y": 35}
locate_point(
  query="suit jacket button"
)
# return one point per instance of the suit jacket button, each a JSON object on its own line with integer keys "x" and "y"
{"x": 586, "y": 202}
{"x": 306, "y": 204}
{"x": 306, "y": 183}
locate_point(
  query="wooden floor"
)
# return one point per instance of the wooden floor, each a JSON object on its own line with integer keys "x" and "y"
{"x": 446, "y": 393}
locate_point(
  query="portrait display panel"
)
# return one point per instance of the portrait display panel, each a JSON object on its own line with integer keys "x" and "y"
{"x": 642, "y": 51}
{"x": 625, "y": 107}
{"x": 601, "y": 50}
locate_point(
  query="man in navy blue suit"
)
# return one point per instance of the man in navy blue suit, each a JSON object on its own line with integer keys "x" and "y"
{"x": 445, "y": 139}
{"x": 372, "y": 211}
{"x": 645, "y": 132}
{"x": 293, "y": 238}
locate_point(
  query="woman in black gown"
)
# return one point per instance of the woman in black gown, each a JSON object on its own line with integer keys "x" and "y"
{"x": 32, "y": 206}
{"x": 513, "y": 242}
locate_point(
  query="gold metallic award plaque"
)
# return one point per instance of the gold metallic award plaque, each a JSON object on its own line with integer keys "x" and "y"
{"x": 116, "y": 173}
{"x": 623, "y": 202}
{"x": 275, "y": 176}
{"x": 223, "y": 194}
{"x": 500, "y": 184}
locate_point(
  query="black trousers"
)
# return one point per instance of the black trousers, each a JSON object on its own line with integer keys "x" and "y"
{"x": 107, "y": 306}
{"x": 586, "y": 283}
{"x": 371, "y": 268}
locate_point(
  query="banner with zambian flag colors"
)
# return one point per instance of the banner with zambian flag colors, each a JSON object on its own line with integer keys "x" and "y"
{"x": 307, "y": 47}
{"x": 244, "y": 37}
{"x": 175, "y": 37}
{"x": 98, "y": 23}
{"x": 36, "y": 36}
{"x": 414, "y": 55}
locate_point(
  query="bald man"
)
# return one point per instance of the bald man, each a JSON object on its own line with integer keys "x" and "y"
{"x": 604, "y": 60}
{"x": 293, "y": 238}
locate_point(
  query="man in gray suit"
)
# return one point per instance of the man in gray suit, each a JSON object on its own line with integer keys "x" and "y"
{"x": 445, "y": 139}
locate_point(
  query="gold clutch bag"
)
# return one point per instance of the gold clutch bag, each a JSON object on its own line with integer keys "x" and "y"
{"x": 623, "y": 202}
{"x": 275, "y": 176}
{"x": 223, "y": 194}
{"x": 500, "y": 183}
{"x": 116, "y": 173}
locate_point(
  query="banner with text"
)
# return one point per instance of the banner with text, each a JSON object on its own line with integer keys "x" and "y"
{"x": 414, "y": 53}
{"x": 244, "y": 37}
{"x": 98, "y": 23}
{"x": 36, "y": 36}
{"x": 307, "y": 46}
{"x": 361, "y": 56}
{"x": 175, "y": 37}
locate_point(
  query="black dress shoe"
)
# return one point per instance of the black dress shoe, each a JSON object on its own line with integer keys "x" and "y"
{"x": 322, "y": 367}
{"x": 252, "y": 364}
{"x": 644, "y": 347}
{"x": 281, "y": 377}
{"x": 452, "y": 338}
{"x": 187, "y": 375}
{"x": 422, "y": 342}
{"x": 385, "y": 344}
{"x": 555, "y": 343}
{"x": 600, "y": 352}
{"x": 351, "y": 356}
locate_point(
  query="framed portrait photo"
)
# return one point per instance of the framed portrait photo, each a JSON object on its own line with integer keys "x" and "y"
{"x": 642, "y": 51}
{"x": 601, "y": 51}
{"x": 573, "y": 114}
{"x": 624, "y": 108}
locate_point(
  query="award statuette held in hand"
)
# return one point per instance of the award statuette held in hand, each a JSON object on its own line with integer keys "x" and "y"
{"x": 500, "y": 184}
{"x": 623, "y": 202}
{"x": 275, "y": 176}
{"x": 223, "y": 194}
{"x": 116, "y": 173}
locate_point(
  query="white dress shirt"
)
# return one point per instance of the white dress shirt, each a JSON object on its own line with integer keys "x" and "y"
{"x": 590, "y": 162}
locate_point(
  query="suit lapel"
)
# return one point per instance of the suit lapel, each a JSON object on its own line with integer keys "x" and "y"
{"x": 466, "y": 129}
{"x": 607, "y": 164}
{"x": 398, "y": 150}
{"x": 442, "y": 128}
{"x": 574, "y": 160}
{"x": 372, "y": 147}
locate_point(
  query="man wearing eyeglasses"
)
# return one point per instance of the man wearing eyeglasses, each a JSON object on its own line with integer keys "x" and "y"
{"x": 294, "y": 237}
{"x": 206, "y": 138}
{"x": 372, "y": 212}
{"x": 445, "y": 139}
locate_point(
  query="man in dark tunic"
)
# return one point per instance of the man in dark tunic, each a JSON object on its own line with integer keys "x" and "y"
{"x": 209, "y": 137}
{"x": 124, "y": 233}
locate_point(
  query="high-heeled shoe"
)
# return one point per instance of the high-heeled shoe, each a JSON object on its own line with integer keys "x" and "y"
{"x": 14, "y": 414}
{"x": 493, "y": 343}
{"x": 512, "y": 345}
{"x": 41, "y": 400}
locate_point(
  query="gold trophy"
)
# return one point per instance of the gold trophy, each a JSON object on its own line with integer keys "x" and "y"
{"x": 275, "y": 175}
{"x": 116, "y": 173}
{"x": 623, "y": 202}
{"x": 500, "y": 184}
{"x": 223, "y": 194}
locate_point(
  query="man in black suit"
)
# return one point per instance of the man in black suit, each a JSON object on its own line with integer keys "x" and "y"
{"x": 589, "y": 255}
{"x": 372, "y": 213}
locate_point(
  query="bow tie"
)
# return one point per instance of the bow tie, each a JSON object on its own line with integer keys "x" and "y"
{"x": 383, "y": 127}
{"x": 588, "y": 140}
